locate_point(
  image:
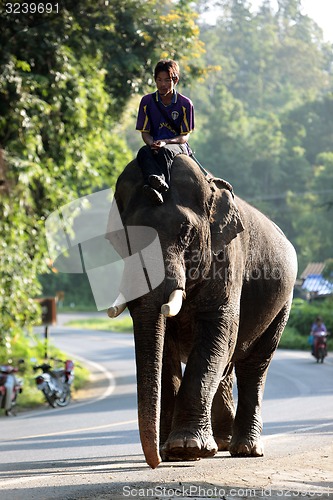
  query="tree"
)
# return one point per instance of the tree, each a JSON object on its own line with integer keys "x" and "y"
{"x": 65, "y": 80}
{"x": 273, "y": 57}
{"x": 312, "y": 207}
{"x": 264, "y": 119}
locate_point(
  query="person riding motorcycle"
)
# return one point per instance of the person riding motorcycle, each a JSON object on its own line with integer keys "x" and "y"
{"x": 318, "y": 330}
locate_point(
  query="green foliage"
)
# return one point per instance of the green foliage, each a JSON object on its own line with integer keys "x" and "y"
{"x": 65, "y": 82}
{"x": 312, "y": 220}
{"x": 69, "y": 89}
{"x": 265, "y": 120}
{"x": 303, "y": 315}
{"x": 328, "y": 271}
{"x": 292, "y": 339}
{"x": 21, "y": 346}
{"x": 75, "y": 287}
{"x": 20, "y": 254}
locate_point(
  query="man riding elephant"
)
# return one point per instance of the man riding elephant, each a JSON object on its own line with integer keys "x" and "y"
{"x": 165, "y": 120}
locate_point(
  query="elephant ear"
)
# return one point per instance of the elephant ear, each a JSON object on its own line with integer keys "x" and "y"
{"x": 226, "y": 222}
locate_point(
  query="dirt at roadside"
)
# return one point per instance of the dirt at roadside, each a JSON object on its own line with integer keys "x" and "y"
{"x": 301, "y": 475}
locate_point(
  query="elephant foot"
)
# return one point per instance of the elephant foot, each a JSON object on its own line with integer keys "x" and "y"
{"x": 188, "y": 447}
{"x": 222, "y": 443}
{"x": 246, "y": 448}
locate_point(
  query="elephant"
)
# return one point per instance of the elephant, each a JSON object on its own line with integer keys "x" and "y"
{"x": 220, "y": 311}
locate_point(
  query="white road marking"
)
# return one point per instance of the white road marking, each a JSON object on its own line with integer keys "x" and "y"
{"x": 73, "y": 431}
{"x": 296, "y": 431}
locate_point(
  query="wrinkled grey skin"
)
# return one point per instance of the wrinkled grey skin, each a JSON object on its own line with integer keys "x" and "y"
{"x": 237, "y": 270}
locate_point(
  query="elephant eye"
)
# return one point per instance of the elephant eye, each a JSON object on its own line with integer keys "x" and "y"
{"x": 186, "y": 234}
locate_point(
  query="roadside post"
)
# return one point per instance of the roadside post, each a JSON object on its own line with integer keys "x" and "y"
{"x": 49, "y": 317}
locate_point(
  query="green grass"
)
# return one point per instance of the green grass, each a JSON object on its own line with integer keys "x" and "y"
{"x": 115, "y": 325}
{"x": 31, "y": 396}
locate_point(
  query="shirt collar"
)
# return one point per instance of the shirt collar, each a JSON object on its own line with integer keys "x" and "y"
{"x": 173, "y": 100}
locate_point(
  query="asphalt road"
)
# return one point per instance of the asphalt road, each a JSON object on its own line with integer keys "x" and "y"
{"x": 91, "y": 449}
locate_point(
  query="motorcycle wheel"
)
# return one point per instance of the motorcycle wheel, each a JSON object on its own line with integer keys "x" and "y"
{"x": 321, "y": 355}
{"x": 65, "y": 398}
{"x": 50, "y": 400}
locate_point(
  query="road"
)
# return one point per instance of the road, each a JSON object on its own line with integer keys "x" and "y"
{"x": 91, "y": 449}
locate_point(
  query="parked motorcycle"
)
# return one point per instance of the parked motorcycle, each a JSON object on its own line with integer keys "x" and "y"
{"x": 55, "y": 383}
{"x": 320, "y": 347}
{"x": 10, "y": 386}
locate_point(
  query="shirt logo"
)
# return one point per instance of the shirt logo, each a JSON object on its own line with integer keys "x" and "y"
{"x": 174, "y": 115}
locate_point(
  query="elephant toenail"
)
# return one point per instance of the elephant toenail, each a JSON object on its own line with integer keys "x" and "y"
{"x": 177, "y": 443}
{"x": 192, "y": 443}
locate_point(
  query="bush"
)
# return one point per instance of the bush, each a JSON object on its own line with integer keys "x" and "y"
{"x": 292, "y": 339}
{"x": 302, "y": 316}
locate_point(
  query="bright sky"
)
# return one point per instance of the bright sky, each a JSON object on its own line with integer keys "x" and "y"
{"x": 321, "y": 11}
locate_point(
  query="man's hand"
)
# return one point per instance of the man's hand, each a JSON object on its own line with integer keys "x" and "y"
{"x": 158, "y": 144}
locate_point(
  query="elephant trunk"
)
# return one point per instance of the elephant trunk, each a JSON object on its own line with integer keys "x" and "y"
{"x": 149, "y": 332}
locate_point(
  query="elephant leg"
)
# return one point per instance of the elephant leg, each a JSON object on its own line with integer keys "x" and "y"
{"x": 251, "y": 375}
{"x": 171, "y": 380}
{"x": 191, "y": 436}
{"x": 223, "y": 411}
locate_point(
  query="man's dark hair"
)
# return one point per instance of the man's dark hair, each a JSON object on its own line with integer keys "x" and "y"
{"x": 168, "y": 65}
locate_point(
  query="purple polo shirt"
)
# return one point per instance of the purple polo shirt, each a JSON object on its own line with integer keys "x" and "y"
{"x": 151, "y": 120}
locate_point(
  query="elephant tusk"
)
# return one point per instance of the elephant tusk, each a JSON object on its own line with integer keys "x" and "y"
{"x": 174, "y": 305}
{"x": 117, "y": 307}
